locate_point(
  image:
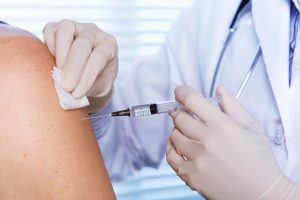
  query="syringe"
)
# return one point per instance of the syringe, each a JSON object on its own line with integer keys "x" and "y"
{"x": 150, "y": 109}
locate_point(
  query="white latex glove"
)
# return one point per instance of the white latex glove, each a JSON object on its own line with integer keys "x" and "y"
{"x": 224, "y": 154}
{"x": 88, "y": 59}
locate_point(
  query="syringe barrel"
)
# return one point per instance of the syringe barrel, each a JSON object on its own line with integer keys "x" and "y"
{"x": 162, "y": 107}
{"x": 140, "y": 110}
{"x": 168, "y": 106}
{"x": 155, "y": 108}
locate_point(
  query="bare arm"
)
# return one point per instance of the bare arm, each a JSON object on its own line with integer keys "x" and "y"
{"x": 45, "y": 152}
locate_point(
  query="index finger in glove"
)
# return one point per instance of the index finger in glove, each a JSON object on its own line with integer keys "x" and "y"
{"x": 188, "y": 125}
{"x": 49, "y": 36}
{"x": 76, "y": 60}
{"x": 102, "y": 59}
{"x": 196, "y": 103}
{"x": 65, "y": 34}
{"x": 235, "y": 110}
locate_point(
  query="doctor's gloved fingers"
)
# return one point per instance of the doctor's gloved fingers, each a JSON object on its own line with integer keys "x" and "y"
{"x": 75, "y": 62}
{"x": 104, "y": 83}
{"x": 65, "y": 35}
{"x": 49, "y": 36}
{"x": 99, "y": 73}
{"x": 235, "y": 110}
{"x": 173, "y": 158}
{"x": 196, "y": 103}
{"x": 187, "y": 148}
{"x": 188, "y": 125}
{"x": 99, "y": 59}
{"x": 188, "y": 173}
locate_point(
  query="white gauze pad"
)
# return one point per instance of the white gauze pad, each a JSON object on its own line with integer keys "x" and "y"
{"x": 66, "y": 100}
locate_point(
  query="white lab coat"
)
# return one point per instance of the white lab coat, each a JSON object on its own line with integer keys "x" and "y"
{"x": 189, "y": 56}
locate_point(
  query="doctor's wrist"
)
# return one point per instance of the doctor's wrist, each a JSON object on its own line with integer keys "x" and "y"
{"x": 282, "y": 188}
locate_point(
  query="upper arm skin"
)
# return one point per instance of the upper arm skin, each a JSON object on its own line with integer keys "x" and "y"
{"x": 45, "y": 152}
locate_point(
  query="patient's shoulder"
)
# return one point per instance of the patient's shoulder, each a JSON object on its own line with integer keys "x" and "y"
{"x": 25, "y": 67}
{"x": 46, "y": 153}
{"x": 19, "y": 47}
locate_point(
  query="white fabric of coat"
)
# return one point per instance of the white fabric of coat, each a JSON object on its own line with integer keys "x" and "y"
{"x": 189, "y": 56}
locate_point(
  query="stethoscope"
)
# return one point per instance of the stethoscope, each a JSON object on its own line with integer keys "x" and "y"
{"x": 232, "y": 30}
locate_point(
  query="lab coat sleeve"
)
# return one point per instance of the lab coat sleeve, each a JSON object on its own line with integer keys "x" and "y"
{"x": 128, "y": 144}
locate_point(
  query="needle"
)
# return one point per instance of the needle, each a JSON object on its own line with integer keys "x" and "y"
{"x": 95, "y": 117}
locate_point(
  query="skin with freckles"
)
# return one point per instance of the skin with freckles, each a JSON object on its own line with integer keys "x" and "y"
{"x": 45, "y": 152}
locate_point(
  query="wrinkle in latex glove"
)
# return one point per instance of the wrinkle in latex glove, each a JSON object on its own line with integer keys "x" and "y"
{"x": 66, "y": 100}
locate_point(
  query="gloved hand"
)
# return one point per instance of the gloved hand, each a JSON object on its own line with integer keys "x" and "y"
{"x": 88, "y": 59}
{"x": 223, "y": 153}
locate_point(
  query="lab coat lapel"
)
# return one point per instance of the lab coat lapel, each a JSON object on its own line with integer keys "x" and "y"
{"x": 222, "y": 16}
{"x": 271, "y": 21}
